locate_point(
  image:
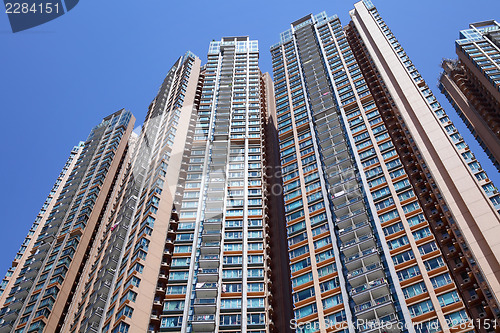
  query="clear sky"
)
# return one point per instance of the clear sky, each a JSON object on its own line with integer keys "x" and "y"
{"x": 60, "y": 79}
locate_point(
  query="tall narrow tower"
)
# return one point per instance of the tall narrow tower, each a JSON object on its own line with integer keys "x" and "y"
{"x": 44, "y": 289}
{"x": 384, "y": 201}
{"x": 472, "y": 84}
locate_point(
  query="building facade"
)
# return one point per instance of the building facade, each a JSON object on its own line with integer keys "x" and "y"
{"x": 381, "y": 220}
{"x": 44, "y": 289}
{"x": 339, "y": 198}
{"x": 472, "y": 84}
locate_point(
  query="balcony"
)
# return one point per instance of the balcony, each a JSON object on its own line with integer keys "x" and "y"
{"x": 211, "y": 235}
{"x": 209, "y": 261}
{"x": 210, "y": 248}
{"x": 7, "y": 327}
{"x": 360, "y": 255}
{"x": 345, "y": 231}
{"x": 203, "y": 323}
{"x": 205, "y": 305}
{"x": 356, "y": 241}
{"x": 370, "y": 286}
{"x": 377, "y": 324}
{"x": 206, "y": 289}
{"x": 372, "y": 304}
{"x": 208, "y": 275}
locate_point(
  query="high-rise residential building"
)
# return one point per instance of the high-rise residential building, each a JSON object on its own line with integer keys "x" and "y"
{"x": 390, "y": 218}
{"x": 344, "y": 201}
{"x": 27, "y": 245}
{"x": 43, "y": 280}
{"x": 472, "y": 84}
{"x": 182, "y": 241}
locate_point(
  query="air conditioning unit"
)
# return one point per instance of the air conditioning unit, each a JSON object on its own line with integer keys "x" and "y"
{"x": 459, "y": 265}
{"x": 474, "y": 297}
{"x": 467, "y": 280}
{"x": 482, "y": 315}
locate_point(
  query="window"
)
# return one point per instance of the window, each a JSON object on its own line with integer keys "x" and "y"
{"x": 408, "y": 273}
{"x": 255, "y": 302}
{"x": 448, "y": 298}
{"x": 402, "y": 257}
{"x": 416, "y": 220}
{"x": 332, "y": 301}
{"x": 422, "y": 233}
{"x": 256, "y": 318}
{"x": 388, "y": 216}
{"x": 230, "y": 303}
{"x": 441, "y": 280}
{"x": 301, "y": 279}
{"x": 414, "y": 290}
{"x": 329, "y": 285}
{"x": 305, "y": 311}
{"x": 328, "y": 269}
{"x": 456, "y": 318}
{"x": 303, "y": 294}
{"x": 427, "y": 248}
{"x": 433, "y": 263}
{"x": 393, "y": 228}
{"x": 173, "y": 305}
{"x": 398, "y": 242}
{"x": 420, "y": 308}
{"x": 324, "y": 256}
{"x": 431, "y": 326}
{"x": 230, "y": 320}
{"x": 411, "y": 206}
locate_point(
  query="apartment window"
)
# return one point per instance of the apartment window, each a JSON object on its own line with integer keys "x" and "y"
{"x": 303, "y": 294}
{"x": 408, "y": 273}
{"x": 230, "y": 320}
{"x": 332, "y": 301}
{"x": 427, "y": 248}
{"x": 448, "y": 298}
{"x": 398, "y": 242}
{"x": 420, "y": 308}
{"x": 393, "y": 228}
{"x": 456, "y": 318}
{"x": 411, "y": 207}
{"x": 422, "y": 233}
{"x": 233, "y": 260}
{"x": 173, "y": 305}
{"x": 433, "y": 263}
{"x": 441, "y": 280}
{"x": 431, "y": 326}
{"x": 389, "y": 216}
{"x": 324, "y": 256}
{"x": 329, "y": 285}
{"x": 416, "y": 220}
{"x": 230, "y": 303}
{"x": 170, "y": 322}
{"x": 300, "y": 265}
{"x": 403, "y": 257}
{"x": 301, "y": 279}
{"x": 231, "y": 273}
{"x": 256, "y": 318}
{"x": 305, "y": 311}
{"x": 256, "y": 287}
{"x": 414, "y": 290}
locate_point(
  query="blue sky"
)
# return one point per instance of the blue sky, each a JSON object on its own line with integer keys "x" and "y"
{"x": 60, "y": 79}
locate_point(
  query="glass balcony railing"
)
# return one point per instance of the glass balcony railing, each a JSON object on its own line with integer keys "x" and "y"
{"x": 368, "y": 286}
{"x": 204, "y": 318}
{"x": 363, "y": 270}
{"x": 360, "y": 254}
{"x": 373, "y": 303}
